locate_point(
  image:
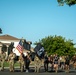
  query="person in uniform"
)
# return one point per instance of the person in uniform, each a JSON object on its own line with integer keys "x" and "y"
{"x": 37, "y": 64}
{"x": 46, "y": 62}
{"x": 2, "y": 59}
{"x": 21, "y": 61}
{"x": 11, "y": 60}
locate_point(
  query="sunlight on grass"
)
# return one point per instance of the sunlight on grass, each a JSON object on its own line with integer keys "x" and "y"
{"x": 6, "y": 64}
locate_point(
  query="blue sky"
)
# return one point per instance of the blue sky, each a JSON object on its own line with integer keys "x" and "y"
{"x": 36, "y": 19}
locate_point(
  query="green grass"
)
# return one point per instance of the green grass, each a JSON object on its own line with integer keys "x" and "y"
{"x": 6, "y": 64}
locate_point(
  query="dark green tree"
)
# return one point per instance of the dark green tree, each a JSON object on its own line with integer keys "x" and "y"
{"x": 68, "y": 2}
{"x": 57, "y": 44}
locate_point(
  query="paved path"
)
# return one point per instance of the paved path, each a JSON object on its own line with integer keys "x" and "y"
{"x": 17, "y": 72}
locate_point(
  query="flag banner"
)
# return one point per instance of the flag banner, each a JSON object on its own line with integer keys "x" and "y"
{"x": 20, "y": 46}
{"x": 39, "y": 50}
{"x": 38, "y": 47}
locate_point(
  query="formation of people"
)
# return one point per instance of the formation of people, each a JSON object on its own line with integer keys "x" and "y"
{"x": 55, "y": 62}
{"x": 24, "y": 61}
{"x": 62, "y": 62}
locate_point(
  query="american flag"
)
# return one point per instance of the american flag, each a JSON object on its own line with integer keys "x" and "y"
{"x": 20, "y": 46}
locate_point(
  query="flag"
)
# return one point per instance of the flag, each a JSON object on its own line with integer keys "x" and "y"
{"x": 39, "y": 50}
{"x": 38, "y": 47}
{"x": 20, "y": 46}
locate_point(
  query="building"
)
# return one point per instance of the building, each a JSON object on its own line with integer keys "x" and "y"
{"x": 8, "y": 39}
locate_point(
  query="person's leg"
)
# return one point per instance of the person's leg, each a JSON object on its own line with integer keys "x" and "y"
{"x": 27, "y": 66}
{"x": 2, "y": 65}
{"x": 56, "y": 68}
{"x": 66, "y": 68}
{"x": 35, "y": 68}
{"x": 45, "y": 66}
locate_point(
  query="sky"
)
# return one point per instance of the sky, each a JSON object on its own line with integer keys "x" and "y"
{"x": 37, "y": 19}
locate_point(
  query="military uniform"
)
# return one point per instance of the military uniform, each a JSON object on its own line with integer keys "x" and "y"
{"x": 37, "y": 64}
{"x": 11, "y": 61}
{"x": 21, "y": 61}
{"x": 2, "y": 60}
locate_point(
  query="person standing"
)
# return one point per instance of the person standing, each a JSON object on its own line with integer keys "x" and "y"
{"x": 62, "y": 62}
{"x": 11, "y": 60}
{"x": 46, "y": 62}
{"x": 74, "y": 61}
{"x": 50, "y": 59}
{"x": 21, "y": 61}
{"x": 38, "y": 63}
{"x": 67, "y": 62}
{"x": 27, "y": 62}
{"x": 2, "y": 59}
{"x": 56, "y": 62}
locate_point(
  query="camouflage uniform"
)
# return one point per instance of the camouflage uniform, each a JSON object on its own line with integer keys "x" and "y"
{"x": 21, "y": 61}
{"x": 37, "y": 64}
{"x": 2, "y": 60}
{"x": 11, "y": 61}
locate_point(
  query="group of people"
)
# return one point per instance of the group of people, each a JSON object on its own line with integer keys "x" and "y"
{"x": 24, "y": 61}
{"x": 62, "y": 62}
{"x": 55, "y": 62}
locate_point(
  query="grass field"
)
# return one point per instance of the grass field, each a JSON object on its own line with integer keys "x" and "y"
{"x": 6, "y": 64}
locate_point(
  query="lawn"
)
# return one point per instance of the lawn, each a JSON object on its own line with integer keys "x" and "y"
{"x": 6, "y": 64}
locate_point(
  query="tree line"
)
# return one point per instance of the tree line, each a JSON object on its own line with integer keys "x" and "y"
{"x": 57, "y": 44}
{"x": 67, "y": 2}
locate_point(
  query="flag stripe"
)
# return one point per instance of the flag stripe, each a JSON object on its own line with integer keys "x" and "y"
{"x": 20, "y": 47}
